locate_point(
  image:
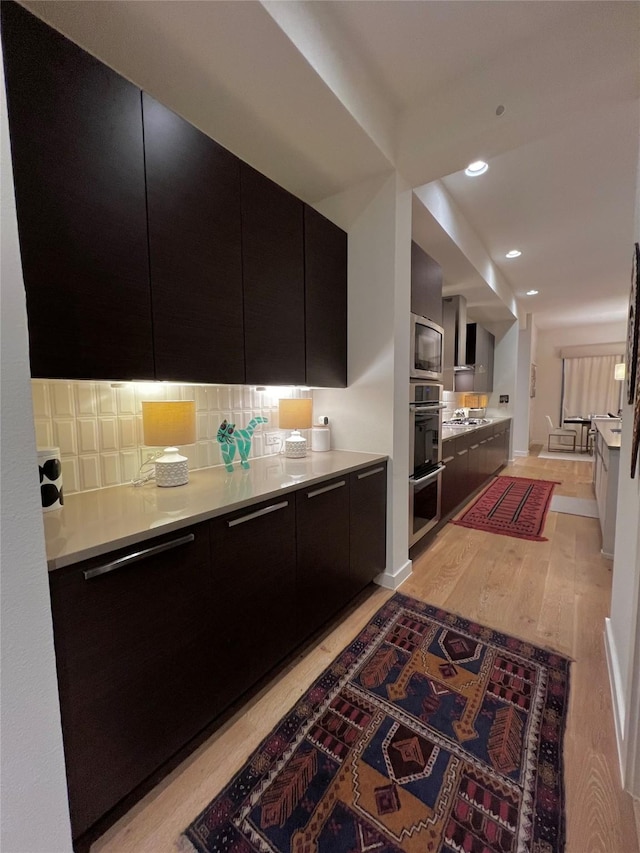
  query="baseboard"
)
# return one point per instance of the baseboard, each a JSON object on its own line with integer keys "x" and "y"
{"x": 617, "y": 693}
{"x": 393, "y": 581}
{"x": 521, "y": 453}
{"x": 605, "y": 555}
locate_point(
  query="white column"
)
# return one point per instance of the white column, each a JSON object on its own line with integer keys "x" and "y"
{"x": 372, "y": 413}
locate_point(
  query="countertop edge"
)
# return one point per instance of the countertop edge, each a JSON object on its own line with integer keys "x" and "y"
{"x": 55, "y": 563}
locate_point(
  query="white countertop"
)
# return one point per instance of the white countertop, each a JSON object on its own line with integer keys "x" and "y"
{"x": 452, "y": 432}
{"x": 96, "y": 522}
{"x": 606, "y": 427}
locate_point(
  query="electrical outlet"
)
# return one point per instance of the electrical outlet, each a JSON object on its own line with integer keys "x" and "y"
{"x": 271, "y": 438}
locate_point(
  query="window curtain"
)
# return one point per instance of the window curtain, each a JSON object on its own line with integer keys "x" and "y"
{"x": 590, "y": 387}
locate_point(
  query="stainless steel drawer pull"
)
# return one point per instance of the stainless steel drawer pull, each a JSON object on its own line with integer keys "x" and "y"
{"x": 137, "y": 555}
{"x": 448, "y": 459}
{"x": 370, "y": 473}
{"x": 258, "y": 513}
{"x": 327, "y": 489}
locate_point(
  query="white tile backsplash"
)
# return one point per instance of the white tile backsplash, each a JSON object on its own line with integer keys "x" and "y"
{"x": 63, "y": 402}
{"x": 64, "y": 436}
{"x": 98, "y": 425}
{"x": 86, "y": 403}
{"x": 89, "y": 473}
{"x": 87, "y": 435}
{"x": 110, "y": 469}
{"x": 108, "y": 428}
{"x": 40, "y": 394}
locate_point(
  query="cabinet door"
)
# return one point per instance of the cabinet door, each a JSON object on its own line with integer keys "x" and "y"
{"x": 195, "y": 256}
{"x": 134, "y": 652}
{"x": 325, "y": 282}
{"x": 463, "y": 482}
{"x": 449, "y": 483}
{"x": 273, "y": 276}
{"x": 426, "y": 285}
{"x": 475, "y": 463}
{"x": 253, "y": 556}
{"x": 78, "y": 163}
{"x": 323, "y": 584}
{"x": 368, "y": 519}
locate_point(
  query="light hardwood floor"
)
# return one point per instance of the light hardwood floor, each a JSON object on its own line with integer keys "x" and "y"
{"x": 553, "y": 593}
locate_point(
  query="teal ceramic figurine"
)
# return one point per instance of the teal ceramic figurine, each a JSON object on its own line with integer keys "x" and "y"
{"x": 229, "y": 438}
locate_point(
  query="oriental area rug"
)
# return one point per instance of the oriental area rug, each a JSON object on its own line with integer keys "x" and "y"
{"x": 512, "y": 506}
{"x": 428, "y": 733}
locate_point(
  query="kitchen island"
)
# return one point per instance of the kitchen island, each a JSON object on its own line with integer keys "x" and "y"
{"x": 605, "y": 477}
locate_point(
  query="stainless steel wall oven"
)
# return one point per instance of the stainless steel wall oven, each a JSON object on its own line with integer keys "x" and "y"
{"x": 425, "y": 448}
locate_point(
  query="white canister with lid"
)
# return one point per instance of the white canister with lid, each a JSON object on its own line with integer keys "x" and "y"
{"x": 320, "y": 438}
{"x": 50, "y": 470}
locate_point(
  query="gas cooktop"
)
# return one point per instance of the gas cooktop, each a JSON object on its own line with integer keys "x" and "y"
{"x": 462, "y": 422}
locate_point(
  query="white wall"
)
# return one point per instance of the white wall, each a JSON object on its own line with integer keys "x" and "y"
{"x": 372, "y": 414}
{"x": 623, "y": 627}
{"x": 523, "y": 401}
{"x": 549, "y": 365}
{"x": 33, "y": 791}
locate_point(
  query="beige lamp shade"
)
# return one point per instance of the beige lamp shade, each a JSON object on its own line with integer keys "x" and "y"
{"x": 169, "y": 422}
{"x": 619, "y": 371}
{"x": 294, "y": 414}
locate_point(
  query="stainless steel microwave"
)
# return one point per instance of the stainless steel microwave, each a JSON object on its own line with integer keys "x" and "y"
{"x": 426, "y": 349}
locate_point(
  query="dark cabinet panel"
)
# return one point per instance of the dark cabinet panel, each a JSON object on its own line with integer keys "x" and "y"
{"x": 449, "y": 482}
{"x": 323, "y": 584}
{"x": 368, "y": 525}
{"x": 133, "y": 650}
{"x": 195, "y": 255}
{"x": 325, "y": 269}
{"x": 273, "y": 270}
{"x": 78, "y": 163}
{"x": 254, "y": 569}
{"x": 426, "y": 285}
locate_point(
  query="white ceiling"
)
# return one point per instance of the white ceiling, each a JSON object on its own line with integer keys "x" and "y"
{"x": 322, "y": 95}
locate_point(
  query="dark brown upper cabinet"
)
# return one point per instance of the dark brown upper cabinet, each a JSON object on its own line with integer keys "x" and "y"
{"x": 78, "y": 164}
{"x": 325, "y": 270}
{"x": 426, "y": 285}
{"x": 195, "y": 254}
{"x": 273, "y": 271}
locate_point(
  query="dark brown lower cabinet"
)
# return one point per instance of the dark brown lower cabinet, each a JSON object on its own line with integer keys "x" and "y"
{"x": 323, "y": 584}
{"x": 133, "y": 636}
{"x": 368, "y": 525}
{"x": 155, "y": 641}
{"x": 253, "y": 555}
{"x": 470, "y": 461}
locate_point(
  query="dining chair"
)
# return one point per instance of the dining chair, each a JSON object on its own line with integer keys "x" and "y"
{"x": 560, "y": 433}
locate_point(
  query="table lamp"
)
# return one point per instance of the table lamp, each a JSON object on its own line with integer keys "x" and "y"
{"x": 167, "y": 423}
{"x": 295, "y": 415}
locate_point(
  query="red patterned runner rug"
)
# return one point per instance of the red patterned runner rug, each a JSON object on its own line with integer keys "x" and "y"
{"x": 429, "y": 733}
{"x": 513, "y": 506}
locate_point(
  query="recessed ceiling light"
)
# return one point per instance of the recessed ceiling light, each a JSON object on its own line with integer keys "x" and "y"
{"x": 478, "y": 167}
{"x": 532, "y": 292}
{"x": 514, "y": 253}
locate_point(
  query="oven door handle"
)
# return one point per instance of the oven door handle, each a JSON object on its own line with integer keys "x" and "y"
{"x": 421, "y": 407}
{"x": 428, "y": 477}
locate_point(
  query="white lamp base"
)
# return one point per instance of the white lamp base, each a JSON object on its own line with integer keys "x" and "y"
{"x": 295, "y": 446}
{"x": 172, "y": 469}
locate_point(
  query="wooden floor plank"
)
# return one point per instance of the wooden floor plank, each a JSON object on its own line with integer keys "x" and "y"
{"x": 554, "y": 593}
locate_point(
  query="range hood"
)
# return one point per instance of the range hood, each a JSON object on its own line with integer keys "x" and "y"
{"x": 454, "y": 321}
